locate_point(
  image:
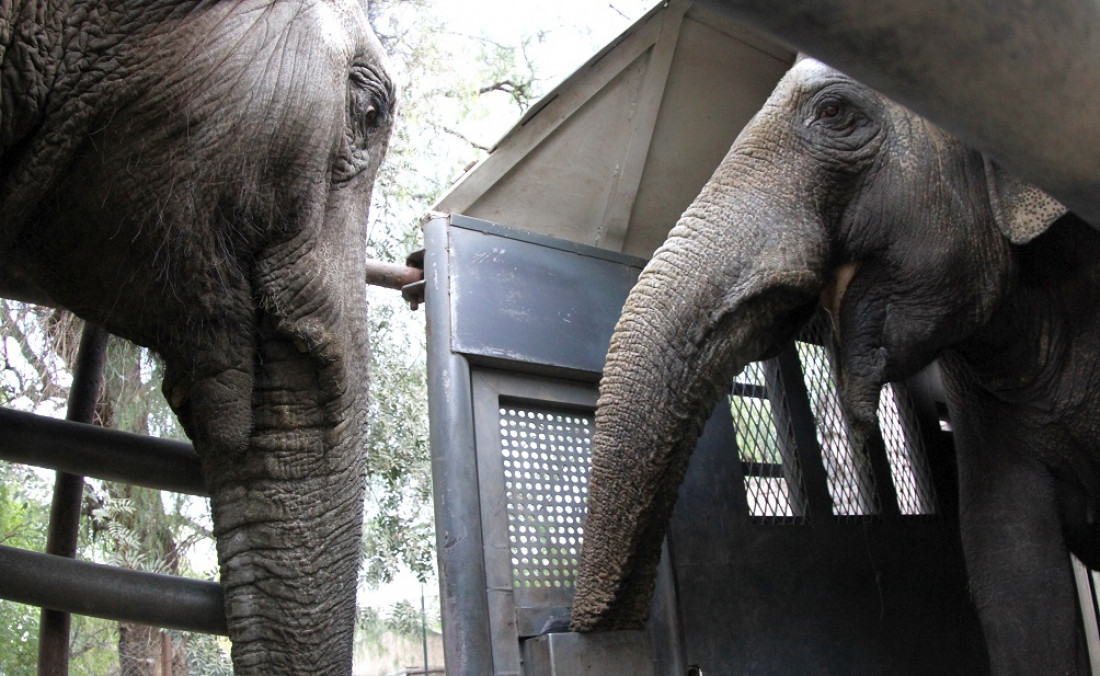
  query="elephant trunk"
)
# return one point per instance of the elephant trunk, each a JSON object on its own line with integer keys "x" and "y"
{"x": 282, "y": 437}
{"x": 732, "y": 283}
{"x": 287, "y": 514}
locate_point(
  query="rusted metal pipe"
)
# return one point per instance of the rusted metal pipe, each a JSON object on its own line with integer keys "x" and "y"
{"x": 61, "y": 540}
{"x": 392, "y": 275}
{"x": 1017, "y": 79}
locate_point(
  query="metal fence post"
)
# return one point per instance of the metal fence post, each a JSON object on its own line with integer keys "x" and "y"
{"x": 53, "y": 632}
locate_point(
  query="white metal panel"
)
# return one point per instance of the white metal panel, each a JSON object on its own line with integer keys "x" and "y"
{"x": 717, "y": 83}
{"x": 613, "y": 155}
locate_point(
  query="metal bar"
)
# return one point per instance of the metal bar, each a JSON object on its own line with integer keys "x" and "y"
{"x": 85, "y": 588}
{"x": 61, "y": 540}
{"x": 98, "y": 452}
{"x": 392, "y": 275}
{"x": 767, "y": 470}
{"x": 815, "y": 478}
{"x": 750, "y": 390}
{"x": 1016, "y": 79}
{"x": 875, "y": 448}
{"x": 462, "y": 582}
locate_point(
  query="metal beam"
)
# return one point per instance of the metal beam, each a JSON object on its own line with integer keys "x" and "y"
{"x": 1016, "y": 79}
{"x": 83, "y": 588}
{"x": 86, "y": 450}
{"x": 68, "y": 492}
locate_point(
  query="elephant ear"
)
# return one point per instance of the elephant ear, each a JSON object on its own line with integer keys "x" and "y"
{"x": 1022, "y": 211}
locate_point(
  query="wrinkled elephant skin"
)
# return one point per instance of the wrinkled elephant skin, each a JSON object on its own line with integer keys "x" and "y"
{"x": 195, "y": 176}
{"x": 920, "y": 248}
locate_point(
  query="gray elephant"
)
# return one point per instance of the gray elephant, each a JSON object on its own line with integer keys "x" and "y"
{"x": 919, "y": 248}
{"x": 195, "y": 176}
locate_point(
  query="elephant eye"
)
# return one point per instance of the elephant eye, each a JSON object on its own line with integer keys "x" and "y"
{"x": 835, "y": 113}
{"x": 370, "y": 97}
{"x": 838, "y": 117}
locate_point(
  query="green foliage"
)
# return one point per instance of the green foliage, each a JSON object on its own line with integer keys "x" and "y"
{"x": 756, "y": 431}
{"x": 404, "y": 618}
{"x": 23, "y": 516}
{"x": 399, "y": 531}
{"x": 207, "y": 656}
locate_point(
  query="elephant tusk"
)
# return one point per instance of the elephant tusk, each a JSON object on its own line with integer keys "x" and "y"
{"x": 179, "y": 396}
{"x": 833, "y": 294}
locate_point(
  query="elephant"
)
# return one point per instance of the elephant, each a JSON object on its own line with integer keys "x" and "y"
{"x": 195, "y": 177}
{"x": 919, "y": 248}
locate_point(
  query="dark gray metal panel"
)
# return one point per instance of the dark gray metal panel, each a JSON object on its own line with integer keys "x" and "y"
{"x": 465, "y": 610}
{"x": 517, "y": 297}
{"x": 517, "y": 609}
{"x": 87, "y": 450}
{"x": 1017, "y": 79}
{"x": 63, "y": 584}
{"x": 853, "y": 595}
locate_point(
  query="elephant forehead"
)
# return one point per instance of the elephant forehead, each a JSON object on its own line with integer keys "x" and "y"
{"x": 342, "y": 27}
{"x": 284, "y": 30}
{"x": 812, "y": 71}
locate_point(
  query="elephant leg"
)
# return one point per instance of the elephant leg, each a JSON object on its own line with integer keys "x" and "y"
{"x": 1016, "y": 555}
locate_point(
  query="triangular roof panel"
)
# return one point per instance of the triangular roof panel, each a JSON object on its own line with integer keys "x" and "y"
{"x": 614, "y": 154}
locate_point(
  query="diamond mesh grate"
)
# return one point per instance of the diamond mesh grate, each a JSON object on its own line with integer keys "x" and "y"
{"x": 546, "y": 455}
{"x": 765, "y": 442}
{"x": 905, "y": 451}
{"x": 850, "y": 480}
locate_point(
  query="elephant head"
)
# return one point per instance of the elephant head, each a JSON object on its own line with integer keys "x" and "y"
{"x": 196, "y": 177}
{"x": 834, "y": 196}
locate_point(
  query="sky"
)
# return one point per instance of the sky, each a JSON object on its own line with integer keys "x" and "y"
{"x": 572, "y": 30}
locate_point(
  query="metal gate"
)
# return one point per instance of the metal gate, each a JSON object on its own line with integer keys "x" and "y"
{"x": 790, "y": 550}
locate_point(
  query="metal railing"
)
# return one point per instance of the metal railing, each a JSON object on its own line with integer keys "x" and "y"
{"x": 55, "y": 580}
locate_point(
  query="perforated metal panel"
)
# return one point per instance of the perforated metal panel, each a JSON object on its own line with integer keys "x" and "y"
{"x": 765, "y": 443}
{"x": 545, "y": 454}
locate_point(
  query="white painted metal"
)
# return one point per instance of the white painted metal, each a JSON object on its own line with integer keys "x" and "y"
{"x": 613, "y": 155}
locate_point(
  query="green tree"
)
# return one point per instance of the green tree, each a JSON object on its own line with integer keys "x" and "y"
{"x": 23, "y": 517}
